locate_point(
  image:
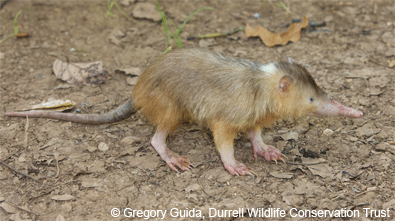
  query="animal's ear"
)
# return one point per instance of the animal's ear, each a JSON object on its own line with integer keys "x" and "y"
{"x": 290, "y": 60}
{"x": 285, "y": 83}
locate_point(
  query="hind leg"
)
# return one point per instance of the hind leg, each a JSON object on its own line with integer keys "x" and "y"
{"x": 224, "y": 137}
{"x": 171, "y": 158}
{"x": 260, "y": 148}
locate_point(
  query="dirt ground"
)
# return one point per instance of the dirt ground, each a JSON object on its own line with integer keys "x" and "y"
{"x": 79, "y": 179}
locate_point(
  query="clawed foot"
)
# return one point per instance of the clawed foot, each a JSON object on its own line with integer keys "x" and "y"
{"x": 172, "y": 159}
{"x": 270, "y": 154}
{"x": 239, "y": 169}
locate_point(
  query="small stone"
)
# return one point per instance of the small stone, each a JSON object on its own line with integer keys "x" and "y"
{"x": 130, "y": 140}
{"x": 381, "y": 146}
{"x": 66, "y": 207}
{"x": 22, "y": 158}
{"x": 131, "y": 81}
{"x": 328, "y": 132}
{"x": 60, "y": 218}
{"x": 16, "y": 181}
{"x": 91, "y": 148}
{"x": 103, "y": 147}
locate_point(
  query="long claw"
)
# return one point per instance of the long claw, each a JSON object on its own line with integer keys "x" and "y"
{"x": 253, "y": 172}
{"x": 283, "y": 160}
{"x": 173, "y": 167}
{"x": 282, "y": 155}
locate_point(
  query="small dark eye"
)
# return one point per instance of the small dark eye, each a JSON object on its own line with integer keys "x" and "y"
{"x": 311, "y": 99}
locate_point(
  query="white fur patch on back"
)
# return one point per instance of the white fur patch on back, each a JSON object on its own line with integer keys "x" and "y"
{"x": 269, "y": 68}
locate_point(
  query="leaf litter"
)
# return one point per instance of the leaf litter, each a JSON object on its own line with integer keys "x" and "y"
{"x": 80, "y": 73}
{"x": 271, "y": 39}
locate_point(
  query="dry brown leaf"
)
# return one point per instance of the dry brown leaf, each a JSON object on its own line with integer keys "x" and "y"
{"x": 391, "y": 63}
{"x": 282, "y": 175}
{"x": 271, "y": 39}
{"x": 80, "y": 73}
{"x": 323, "y": 170}
{"x": 22, "y": 35}
{"x": 8, "y": 207}
{"x": 290, "y": 136}
{"x": 64, "y": 197}
{"x": 132, "y": 71}
{"x": 53, "y": 105}
{"x": 89, "y": 184}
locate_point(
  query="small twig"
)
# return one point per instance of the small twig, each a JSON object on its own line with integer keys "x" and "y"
{"x": 17, "y": 171}
{"x": 21, "y": 208}
{"x": 26, "y": 128}
{"x": 16, "y": 144}
{"x": 218, "y": 198}
{"x": 304, "y": 164}
{"x": 57, "y": 163}
{"x": 201, "y": 186}
{"x": 338, "y": 196}
{"x": 222, "y": 194}
{"x": 366, "y": 191}
{"x": 233, "y": 31}
{"x": 52, "y": 189}
{"x": 360, "y": 204}
{"x": 385, "y": 110}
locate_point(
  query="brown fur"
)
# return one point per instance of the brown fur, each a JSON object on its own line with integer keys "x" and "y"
{"x": 205, "y": 87}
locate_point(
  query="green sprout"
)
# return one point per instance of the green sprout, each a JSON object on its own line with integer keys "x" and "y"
{"x": 176, "y": 35}
{"x": 16, "y": 28}
{"x": 283, "y": 6}
{"x": 108, "y": 13}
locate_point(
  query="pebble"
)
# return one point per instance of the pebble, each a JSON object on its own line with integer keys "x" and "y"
{"x": 328, "y": 132}
{"x": 103, "y": 147}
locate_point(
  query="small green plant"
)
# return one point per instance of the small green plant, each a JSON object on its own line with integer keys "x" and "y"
{"x": 16, "y": 28}
{"x": 176, "y": 35}
{"x": 283, "y": 6}
{"x": 108, "y": 13}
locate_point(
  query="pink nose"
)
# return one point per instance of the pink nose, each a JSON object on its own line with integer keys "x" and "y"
{"x": 346, "y": 111}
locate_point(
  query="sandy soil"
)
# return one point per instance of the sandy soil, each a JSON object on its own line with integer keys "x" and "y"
{"x": 77, "y": 180}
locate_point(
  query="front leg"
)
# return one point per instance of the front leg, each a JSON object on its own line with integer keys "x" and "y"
{"x": 224, "y": 136}
{"x": 260, "y": 148}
